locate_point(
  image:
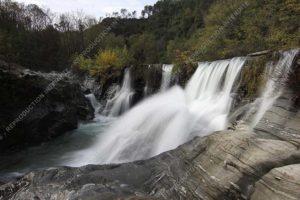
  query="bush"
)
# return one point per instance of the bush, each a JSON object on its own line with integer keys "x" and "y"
{"x": 106, "y": 58}
{"x": 83, "y": 64}
{"x": 107, "y": 64}
{"x": 116, "y": 59}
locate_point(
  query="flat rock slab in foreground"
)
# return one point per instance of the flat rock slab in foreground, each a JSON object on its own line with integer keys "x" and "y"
{"x": 226, "y": 165}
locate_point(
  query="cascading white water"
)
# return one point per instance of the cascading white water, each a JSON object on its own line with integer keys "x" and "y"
{"x": 120, "y": 103}
{"x": 168, "y": 119}
{"x": 166, "y": 77}
{"x": 94, "y": 102}
{"x": 277, "y": 74}
{"x": 209, "y": 93}
{"x": 146, "y": 88}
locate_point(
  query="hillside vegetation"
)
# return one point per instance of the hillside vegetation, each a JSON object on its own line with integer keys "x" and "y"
{"x": 171, "y": 31}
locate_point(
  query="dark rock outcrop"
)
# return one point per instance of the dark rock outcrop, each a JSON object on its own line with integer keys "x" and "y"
{"x": 146, "y": 80}
{"x": 184, "y": 72}
{"x": 35, "y": 107}
{"x": 90, "y": 85}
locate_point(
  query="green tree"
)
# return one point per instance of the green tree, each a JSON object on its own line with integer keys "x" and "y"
{"x": 143, "y": 48}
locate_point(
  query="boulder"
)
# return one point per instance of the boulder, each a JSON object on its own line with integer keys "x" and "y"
{"x": 36, "y": 107}
{"x": 279, "y": 183}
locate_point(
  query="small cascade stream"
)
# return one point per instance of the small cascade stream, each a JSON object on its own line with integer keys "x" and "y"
{"x": 120, "y": 103}
{"x": 166, "y": 77}
{"x": 277, "y": 74}
{"x": 96, "y": 105}
{"x": 146, "y": 88}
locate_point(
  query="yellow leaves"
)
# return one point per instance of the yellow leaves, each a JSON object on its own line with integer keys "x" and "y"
{"x": 107, "y": 63}
{"x": 107, "y": 58}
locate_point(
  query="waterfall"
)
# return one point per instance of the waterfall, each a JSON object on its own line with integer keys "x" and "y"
{"x": 166, "y": 77}
{"x": 94, "y": 102}
{"x": 276, "y": 75}
{"x": 168, "y": 119}
{"x": 146, "y": 90}
{"x": 120, "y": 103}
{"x": 209, "y": 93}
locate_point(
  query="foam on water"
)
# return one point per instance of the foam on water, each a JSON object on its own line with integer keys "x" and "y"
{"x": 168, "y": 119}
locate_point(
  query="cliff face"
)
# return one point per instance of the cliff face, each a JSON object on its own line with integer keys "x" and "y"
{"x": 36, "y": 107}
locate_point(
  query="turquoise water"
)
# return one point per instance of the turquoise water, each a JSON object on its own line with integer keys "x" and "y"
{"x": 53, "y": 153}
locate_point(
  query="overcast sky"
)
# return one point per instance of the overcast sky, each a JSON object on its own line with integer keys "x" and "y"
{"x": 97, "y": 8}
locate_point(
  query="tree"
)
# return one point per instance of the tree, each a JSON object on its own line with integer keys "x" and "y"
{"x": 124, "y": 13}
{"x": 134, "y": 13}
{"x": 143, "y": 48}
{"x": 148, "y": 10}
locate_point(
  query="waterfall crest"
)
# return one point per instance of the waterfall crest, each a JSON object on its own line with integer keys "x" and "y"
{"x": 209, "y": 93}
{"x": 169, "y": 119}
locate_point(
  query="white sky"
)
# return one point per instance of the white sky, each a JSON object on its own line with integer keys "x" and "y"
{"x": 96, "y": 8}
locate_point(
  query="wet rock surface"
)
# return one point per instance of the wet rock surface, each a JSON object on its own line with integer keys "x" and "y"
{"x": 225, "y": 165}
{"x": 279, "y": 183}
{"x": 281, "y": 121}
{"x": 145, "y": 81}
{"x": 36, "y": 107}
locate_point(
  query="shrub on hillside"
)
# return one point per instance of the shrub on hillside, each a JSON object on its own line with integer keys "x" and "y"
{"x": 107, "y": 64}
